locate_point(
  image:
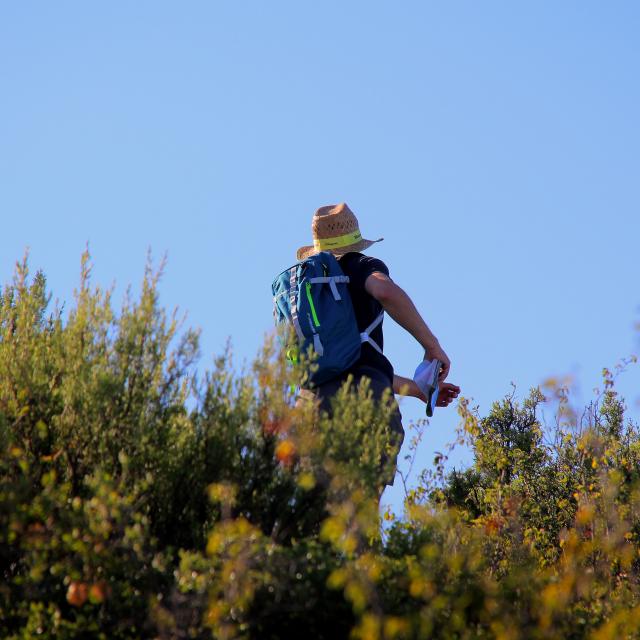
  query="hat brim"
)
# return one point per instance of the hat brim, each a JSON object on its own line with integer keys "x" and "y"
{"x": 309, "y": 250}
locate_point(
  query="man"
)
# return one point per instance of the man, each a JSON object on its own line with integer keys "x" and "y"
{"x": 335, "y": 228}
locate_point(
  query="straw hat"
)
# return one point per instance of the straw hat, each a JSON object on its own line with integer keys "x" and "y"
{"x": 334, "y": 228}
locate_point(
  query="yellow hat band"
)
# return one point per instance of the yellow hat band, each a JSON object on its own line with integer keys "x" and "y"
{"x": 324, "y": 244}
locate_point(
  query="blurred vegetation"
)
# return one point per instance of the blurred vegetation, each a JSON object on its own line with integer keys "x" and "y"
{"x": 140, "y": 499}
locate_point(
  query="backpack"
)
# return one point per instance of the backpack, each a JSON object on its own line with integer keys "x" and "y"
{"x": 312, "y": 296}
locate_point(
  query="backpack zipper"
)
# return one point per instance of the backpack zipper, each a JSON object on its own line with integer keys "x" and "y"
{"x": 313, "y": 308}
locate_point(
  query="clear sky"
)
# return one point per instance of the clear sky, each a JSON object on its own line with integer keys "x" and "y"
{"x": 494, "y": 145}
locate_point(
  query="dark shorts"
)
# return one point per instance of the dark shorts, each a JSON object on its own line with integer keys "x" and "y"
{"x": 379, "y": 384}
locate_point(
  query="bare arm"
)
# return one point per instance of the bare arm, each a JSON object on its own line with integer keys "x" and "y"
{"x": 407, "y": 387}
{"x": 400, "y": 307}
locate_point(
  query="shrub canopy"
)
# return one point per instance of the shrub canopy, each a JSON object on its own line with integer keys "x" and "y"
{"x": 139, "y": 498}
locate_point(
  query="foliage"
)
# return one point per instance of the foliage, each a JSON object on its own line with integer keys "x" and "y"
{"x": 139, "y": 498}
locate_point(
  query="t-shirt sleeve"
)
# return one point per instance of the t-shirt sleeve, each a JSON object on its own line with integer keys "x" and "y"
{"x": 366, "y": 266}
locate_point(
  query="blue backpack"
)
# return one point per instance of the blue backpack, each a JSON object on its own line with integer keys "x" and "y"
{"x": 313, "y": 297}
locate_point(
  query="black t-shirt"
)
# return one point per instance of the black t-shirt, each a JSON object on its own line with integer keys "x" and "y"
{"x": 359, "y": 267}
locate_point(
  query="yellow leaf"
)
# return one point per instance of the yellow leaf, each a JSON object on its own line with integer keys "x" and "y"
{"x": 306, "y": 481}
{"x": 337, "y": 579}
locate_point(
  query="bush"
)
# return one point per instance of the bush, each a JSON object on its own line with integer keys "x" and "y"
{"x": 140, "y": 499}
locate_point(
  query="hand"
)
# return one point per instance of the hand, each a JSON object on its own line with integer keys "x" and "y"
{"x": 437, "y": 353}
{"x": 447, "y": 394}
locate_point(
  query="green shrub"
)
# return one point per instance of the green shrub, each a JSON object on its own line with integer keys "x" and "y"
{"x": 140, "y": 498}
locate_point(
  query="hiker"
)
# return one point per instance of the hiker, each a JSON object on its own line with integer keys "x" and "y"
{"x": 335, "y": 230}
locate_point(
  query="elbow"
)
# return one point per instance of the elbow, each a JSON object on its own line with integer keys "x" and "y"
{"x": 382, "y": 288}
{"x": 387, "y": 294}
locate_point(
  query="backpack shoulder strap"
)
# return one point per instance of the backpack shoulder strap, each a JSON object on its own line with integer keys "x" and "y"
{"x": 366, "y": 337}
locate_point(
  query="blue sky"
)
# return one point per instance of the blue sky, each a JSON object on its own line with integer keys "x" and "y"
{"x": 494, "y": 145}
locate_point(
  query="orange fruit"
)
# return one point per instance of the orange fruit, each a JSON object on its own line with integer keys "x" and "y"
{"x": 77, "y": 594}
{"x": 98, "y": 592}
{"x": 285, "y": 452}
